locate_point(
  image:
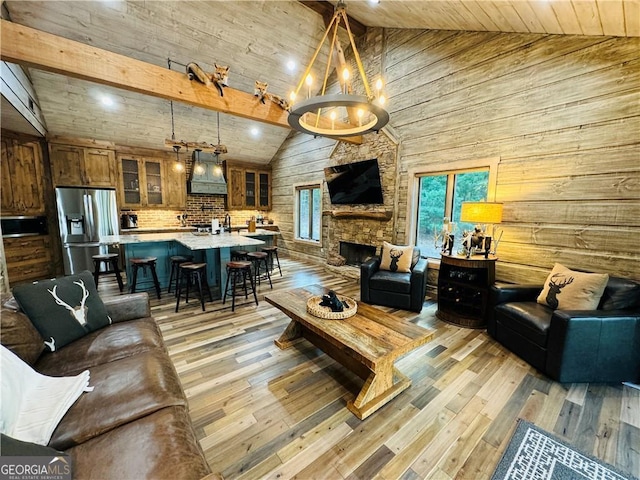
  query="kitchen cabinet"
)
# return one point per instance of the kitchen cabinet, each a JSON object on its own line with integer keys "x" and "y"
{"x": 28, "y": 258}
{"x": 248, "y": 187}
{"x": 22, "y": 176}
{"x": 147, "y": 182}
{"x": 463, "y": 289}
{"x": 175, "y": 187}
{"x": 264, "y": 190}
{"x": 75, "y": 166}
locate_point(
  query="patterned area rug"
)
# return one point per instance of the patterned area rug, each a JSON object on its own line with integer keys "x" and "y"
{"x": 533, "y": 454}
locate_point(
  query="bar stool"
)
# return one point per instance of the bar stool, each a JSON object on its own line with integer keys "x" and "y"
{"x": 238, "y": 255}
{"x": 271, "y": 252}
{"x": 192, "y": 272}
{"x": 143, "y": 263}
{"x": 259, "y": 259}
{"x": 238, "y": 270}
{"x": 110, "y": 261}
{"x": 176, "y": 261}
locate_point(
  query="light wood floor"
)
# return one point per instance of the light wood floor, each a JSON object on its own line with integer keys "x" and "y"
{"x": 261, "y": 412}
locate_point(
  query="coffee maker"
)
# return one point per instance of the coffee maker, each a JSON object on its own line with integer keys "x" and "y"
{"x": 128, "y": 220}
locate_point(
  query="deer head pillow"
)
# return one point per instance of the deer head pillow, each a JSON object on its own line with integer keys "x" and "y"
{"x": 396, "y": 258}
{"x": 566, "y": 289}
{"x": 63, "y": 309}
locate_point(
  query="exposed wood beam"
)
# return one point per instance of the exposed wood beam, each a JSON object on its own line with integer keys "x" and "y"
{"x": 326, "y": 9}
{"x": 44, "y": 51}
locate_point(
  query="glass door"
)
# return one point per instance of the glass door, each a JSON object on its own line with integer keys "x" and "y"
{"x": 153, "y": 178}
{"x": 263, "y": 197}
{"x": 131, "y": 181}
{"x": 250, "y": 189}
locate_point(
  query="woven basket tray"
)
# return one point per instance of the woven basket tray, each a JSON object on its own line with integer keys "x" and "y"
{"x": 315, "y": 309}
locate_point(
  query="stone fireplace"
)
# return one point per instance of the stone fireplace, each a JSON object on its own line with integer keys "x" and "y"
{"x": 356, "y": 232}
{"x": 356, "y": 253}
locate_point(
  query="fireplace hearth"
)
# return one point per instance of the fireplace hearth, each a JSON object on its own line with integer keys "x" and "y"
{"x": 356, "y": 253}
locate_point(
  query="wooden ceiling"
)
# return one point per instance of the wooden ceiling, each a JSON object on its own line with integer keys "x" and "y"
{"x": 256, "y": 39}
{"x": 569, "y": 17}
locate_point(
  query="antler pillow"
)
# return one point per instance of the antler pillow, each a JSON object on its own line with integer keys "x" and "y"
{"x": 63, "y": 309}
{"x": 566, "y": 289}
{"x": 396, "y": 258}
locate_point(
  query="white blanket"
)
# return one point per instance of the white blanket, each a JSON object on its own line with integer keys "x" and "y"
{"x": 32, "y": 404}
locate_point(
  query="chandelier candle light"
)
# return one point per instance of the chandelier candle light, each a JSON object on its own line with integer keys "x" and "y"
{"x": 365, "y": 112}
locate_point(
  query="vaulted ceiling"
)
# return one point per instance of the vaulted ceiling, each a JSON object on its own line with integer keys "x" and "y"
{"x": 257, "y": 40}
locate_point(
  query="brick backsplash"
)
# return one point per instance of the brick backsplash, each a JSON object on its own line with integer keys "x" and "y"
{"x": 200, "y": 210}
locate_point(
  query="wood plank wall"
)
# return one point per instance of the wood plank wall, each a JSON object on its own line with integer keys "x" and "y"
{"x": 561, "y": 111}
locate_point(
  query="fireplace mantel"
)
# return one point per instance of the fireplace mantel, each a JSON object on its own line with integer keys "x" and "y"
{"x": 375, "y": 215}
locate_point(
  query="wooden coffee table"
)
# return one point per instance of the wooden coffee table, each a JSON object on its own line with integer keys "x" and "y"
{"x": 367, "y": 343}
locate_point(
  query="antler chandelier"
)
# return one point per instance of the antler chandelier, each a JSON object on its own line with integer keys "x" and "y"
{"x": 365, "y": 112}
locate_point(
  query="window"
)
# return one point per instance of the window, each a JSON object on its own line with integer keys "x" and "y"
{"x": 308, "y": 213}
{"x": 440, "y": 196}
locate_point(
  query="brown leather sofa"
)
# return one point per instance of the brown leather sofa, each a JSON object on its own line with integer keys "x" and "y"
{"x": 135, "y": 423}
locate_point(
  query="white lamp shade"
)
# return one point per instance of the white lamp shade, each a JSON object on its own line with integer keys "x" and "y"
{"x": 481, "y": 212}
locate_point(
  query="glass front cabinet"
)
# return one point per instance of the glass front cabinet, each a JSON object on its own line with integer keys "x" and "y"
{"x": 142, "y": 182}
{"x": 248, "y": 186}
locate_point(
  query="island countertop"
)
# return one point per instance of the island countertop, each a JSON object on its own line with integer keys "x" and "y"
{"x": 192, "y": 240}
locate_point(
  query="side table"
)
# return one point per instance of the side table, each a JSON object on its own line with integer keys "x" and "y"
{"x": 463, "y": 289}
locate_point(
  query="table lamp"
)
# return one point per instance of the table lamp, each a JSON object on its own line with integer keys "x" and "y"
{"x": 482, "y": 213}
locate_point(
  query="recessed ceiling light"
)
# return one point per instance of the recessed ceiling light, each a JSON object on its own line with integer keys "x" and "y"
{"x": 374, "y": 2}
{"x": 291, "y": 65}
{"x": 107, "y": 101}
{"x": 255, "y": 131}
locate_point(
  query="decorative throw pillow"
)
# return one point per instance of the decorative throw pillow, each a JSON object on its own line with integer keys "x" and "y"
{"x": 396, "y": 258}
{"x": 63, "y": 309}
{"x": 567, "y": 289}
{"x": 33, "y": 404}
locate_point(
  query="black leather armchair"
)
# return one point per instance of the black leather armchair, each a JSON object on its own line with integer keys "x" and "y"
{"x": 393, "y": 289}
{"x": 570, "y": 346}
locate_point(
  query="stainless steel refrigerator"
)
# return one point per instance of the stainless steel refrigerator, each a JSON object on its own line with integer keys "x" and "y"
{"x": 84, "y": 216}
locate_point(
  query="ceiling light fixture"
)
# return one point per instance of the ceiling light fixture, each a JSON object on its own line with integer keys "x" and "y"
{"x": 219, "y": 148}
{"x": 365, "y": 112}
{"x": 199, "y": 168}
{"x": 177, "y": 166}
{"x": 107, "y": 101}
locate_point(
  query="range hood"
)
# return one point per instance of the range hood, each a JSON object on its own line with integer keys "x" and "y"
{"x": 209, "y": 178}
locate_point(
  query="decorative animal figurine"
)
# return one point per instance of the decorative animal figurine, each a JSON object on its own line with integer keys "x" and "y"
{"x": 219, "y": 78}
{"x": 282, "y": 102}
{"x": 260, "y": 91}
{"x": 331, "y": 300}
{"x": 473, "y": 239}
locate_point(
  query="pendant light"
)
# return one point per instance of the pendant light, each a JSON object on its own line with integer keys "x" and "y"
{"x": 219, "y": 148}
{"x": 198, "y": 167}
{"x": 177, "y": 166}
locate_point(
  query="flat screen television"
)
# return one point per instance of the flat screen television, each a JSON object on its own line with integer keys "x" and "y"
{"x": 355, "y": 183}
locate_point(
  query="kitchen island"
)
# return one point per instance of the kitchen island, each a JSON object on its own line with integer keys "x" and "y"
{"x": 214, "y": 250}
